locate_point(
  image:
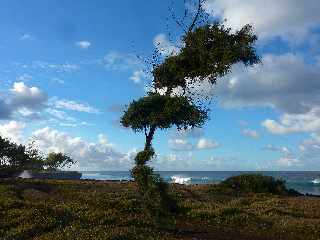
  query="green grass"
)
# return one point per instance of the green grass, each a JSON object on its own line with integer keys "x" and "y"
{"x": 40, "y": 210}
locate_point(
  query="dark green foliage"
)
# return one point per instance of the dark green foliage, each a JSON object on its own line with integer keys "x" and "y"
{"x": 15, "y": 157}
{"x": 153, "y": 190}
{"x": 144, "y": 156}
{"x": 56, "y": 161}
{"x": 163, "y": 112}
{"x": 208, "y": 53}
{"x": 255, "y": 183}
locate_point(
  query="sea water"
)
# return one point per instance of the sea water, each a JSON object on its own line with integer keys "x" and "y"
{"x": 304, "y": 182}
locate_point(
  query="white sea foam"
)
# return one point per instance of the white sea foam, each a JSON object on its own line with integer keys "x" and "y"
{"x": 316, "y": 181}
{"x": 180, "y": 179}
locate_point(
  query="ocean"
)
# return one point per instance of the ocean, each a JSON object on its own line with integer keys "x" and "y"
{"x": 304, "y": 182}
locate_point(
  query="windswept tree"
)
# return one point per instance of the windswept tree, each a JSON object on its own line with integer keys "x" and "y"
{"x": 154, "y": 112}
{"x": 208, "y": 52}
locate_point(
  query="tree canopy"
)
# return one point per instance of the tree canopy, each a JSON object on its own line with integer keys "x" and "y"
{"x": 162, "y": 111}
{"x": 56, "y": 161}
{"x": 208, "y": 52}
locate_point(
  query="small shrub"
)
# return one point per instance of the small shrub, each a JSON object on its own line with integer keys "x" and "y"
{"x": 255, "y": 183}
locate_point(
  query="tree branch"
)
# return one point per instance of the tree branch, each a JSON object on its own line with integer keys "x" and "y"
{"x": 196, "y": 16}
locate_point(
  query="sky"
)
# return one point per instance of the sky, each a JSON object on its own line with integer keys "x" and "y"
{"x": 69, "y": 68}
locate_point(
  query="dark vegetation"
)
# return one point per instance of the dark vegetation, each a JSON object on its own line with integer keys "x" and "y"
{"x": 239, "y": 208}
{"x": 256, "y": 183}
{"x": 16, "y": 157}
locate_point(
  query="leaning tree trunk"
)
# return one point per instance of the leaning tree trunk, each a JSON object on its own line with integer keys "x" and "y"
{"x": 149, "y": 138}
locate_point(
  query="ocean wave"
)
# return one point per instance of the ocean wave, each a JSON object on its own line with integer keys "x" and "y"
{"x": 316, "y": 181}
{"x": 180, "y": 179}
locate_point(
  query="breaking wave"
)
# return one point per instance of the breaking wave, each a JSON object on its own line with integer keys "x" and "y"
{"x": 181, "y": 180}
{"x": 316, "y": 181}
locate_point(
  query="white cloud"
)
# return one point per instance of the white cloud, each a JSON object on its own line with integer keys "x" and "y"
{"x": 137, "y": 76}
{"x": 205, "y": 143}
{"x": 12, "y": 130}
{"x": 22, "y": 100}
{"x": 180, "y": 145}
{"x": 90, "y": 156}
{"x": 83, "y": 44}
{"x": 74, "y": 106}
{"x": 28, "y": 97}
{"x": 164, "y": 46}
{"x": 292, "y": 20}
{"x": 281, "y": 82}
{"x": 295, "y": 123}
{"x": 250, "y": 133}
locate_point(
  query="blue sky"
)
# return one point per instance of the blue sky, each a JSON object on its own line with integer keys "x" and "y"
{"x": 67, "y": 69}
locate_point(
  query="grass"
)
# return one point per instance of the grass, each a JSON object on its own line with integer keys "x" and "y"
{"x": 41, "y": 210}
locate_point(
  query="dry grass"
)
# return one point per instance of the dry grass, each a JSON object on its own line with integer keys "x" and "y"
{"x": 112, "y": 210}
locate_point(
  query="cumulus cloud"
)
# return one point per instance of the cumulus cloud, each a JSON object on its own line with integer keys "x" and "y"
{"x": 280, "y": 82}
{"x": 292, "y": 20}
{"x": 164, "y": 46}
{"x": 204, "y": 144}
{"x": 250, "y": 133}
{"x": 28, "y": 97}
{"x": 90, "y": 156}
{"x": 12, "y": 130}
{"x": 22, "y": 100}
{"x": 83, "y": 44}
{"x": 74, "y": 106}
{"x": 137, "y": 76}
{"x": 295, "y": 123}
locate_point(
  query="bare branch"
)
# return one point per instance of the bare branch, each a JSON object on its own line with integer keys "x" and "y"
{"x": 196, "y": 16}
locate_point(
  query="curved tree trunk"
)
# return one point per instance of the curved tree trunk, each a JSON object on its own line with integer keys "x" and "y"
{"x": 149, "y": 138}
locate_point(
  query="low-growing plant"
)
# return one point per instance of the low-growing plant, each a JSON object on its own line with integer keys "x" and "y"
{"x": 255, "y": 183}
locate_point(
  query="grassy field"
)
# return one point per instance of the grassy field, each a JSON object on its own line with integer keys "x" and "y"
{"x": 41, "y": 210}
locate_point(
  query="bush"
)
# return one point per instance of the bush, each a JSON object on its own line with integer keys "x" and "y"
{"x": 256, "y": 183}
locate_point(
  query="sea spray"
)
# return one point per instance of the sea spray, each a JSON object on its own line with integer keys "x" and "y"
{"x": 180, "y": 179}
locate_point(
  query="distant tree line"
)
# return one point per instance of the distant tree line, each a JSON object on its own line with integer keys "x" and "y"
{"x": 17, "y": 157}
